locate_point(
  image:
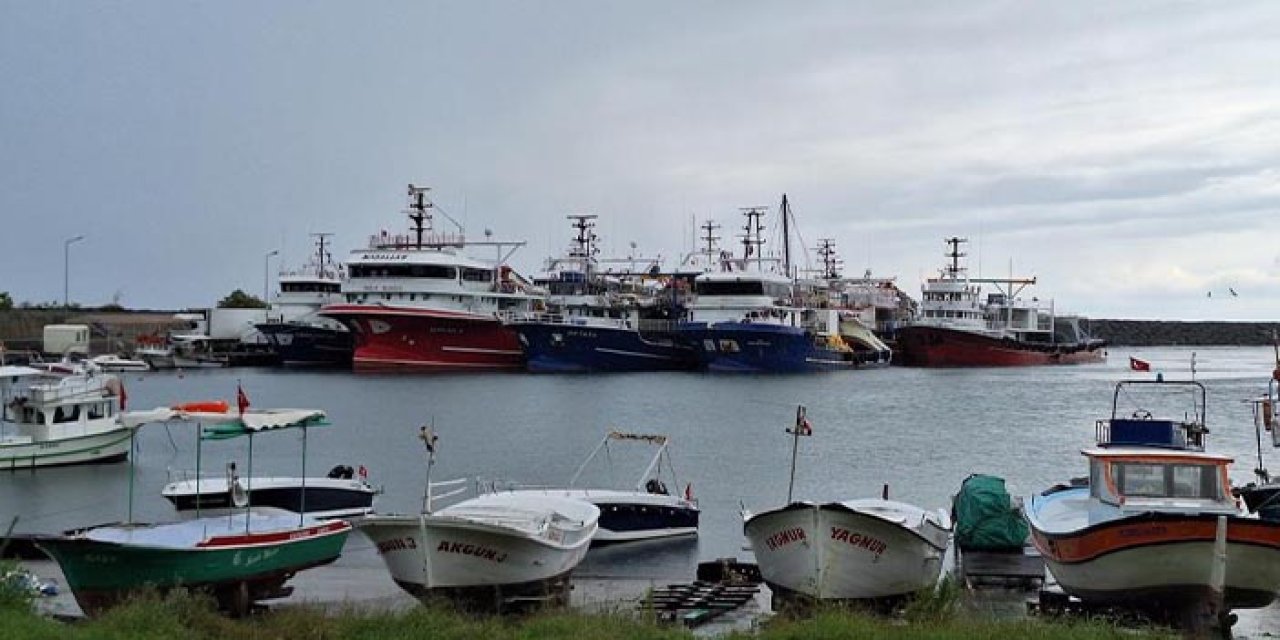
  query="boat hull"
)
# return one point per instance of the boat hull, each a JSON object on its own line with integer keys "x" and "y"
{"x": 390, "y": 338}
{"x": 828, "y": 552}
{"x": 1164, "y": 560}
{"x": 305, "y": 345}
{"x": 766, "y": 348}
{"x": 261, "y": 561}
{"x": 93, "y": 448}
{"x": 563, "y": 347}
{"x": 923, "y": 346}
{"x": 431, "y": 555}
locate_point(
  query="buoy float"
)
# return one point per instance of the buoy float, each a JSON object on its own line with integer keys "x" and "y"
{"x": 203, "y": 406}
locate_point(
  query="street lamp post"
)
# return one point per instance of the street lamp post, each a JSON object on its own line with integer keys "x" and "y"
{"x": 266, "y": 269}
{"x": 66, "y": 269}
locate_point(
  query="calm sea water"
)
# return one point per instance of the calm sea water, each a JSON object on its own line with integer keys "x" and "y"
{"x": 920, "y": 431}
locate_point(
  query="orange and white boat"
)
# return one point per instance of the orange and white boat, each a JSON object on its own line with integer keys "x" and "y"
{"x": 1156, "y": 526}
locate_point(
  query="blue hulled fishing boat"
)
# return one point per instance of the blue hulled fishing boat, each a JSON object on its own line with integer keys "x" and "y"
{"x": 748, "y": 318}
{"x": 600, "y": 320}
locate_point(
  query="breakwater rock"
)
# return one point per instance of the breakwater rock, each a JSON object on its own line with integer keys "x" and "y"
{"x": 1146, "y": 333}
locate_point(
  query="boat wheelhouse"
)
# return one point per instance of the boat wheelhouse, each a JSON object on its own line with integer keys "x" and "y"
{"x": 414, "y": 301}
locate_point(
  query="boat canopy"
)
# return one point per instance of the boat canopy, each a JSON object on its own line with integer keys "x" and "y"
{"x": 223, "y": 425}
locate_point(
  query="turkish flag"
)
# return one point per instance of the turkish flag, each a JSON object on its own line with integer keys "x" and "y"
{"x": 242, "y": 400}
{"x": 1139, "y": 365}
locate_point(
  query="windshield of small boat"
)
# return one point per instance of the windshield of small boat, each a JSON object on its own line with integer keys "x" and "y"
{"x": 1167, "y": 480}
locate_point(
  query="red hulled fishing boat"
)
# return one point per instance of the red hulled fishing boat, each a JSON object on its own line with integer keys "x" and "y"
{"x": 415, "y": 302}
{"x": 957, "y": 328}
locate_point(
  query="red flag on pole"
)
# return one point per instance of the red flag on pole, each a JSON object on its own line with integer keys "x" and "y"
{"x": 1139, "y": 365}
{"x": 124, "y": 397}
{"x": 242, "y": 400}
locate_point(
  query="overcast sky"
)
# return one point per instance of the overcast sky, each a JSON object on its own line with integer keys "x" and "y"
{"x": 1125, "y": 153}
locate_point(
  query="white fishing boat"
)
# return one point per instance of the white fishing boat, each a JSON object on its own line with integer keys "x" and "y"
{"x": 1156, "y": 527}
{"x": 650, "y": 510}
{"x": 866, "y": 549}
{"x": 60, "y": 420}
{"x": 489, "y": 551}
{"x": 113, "y": 362}
{"x": 851, "y": 550}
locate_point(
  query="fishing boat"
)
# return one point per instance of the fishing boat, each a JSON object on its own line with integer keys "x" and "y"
{"x": 600, "y": 321}
{"x": 1156, "y": 527}
{"x": 51, "y": 420}
{"x": 1262, "y": 496}
{"x": 957, "y": 328}
{"x": 294, "y": 328}
{"x": 116, "y": 363}
{"x": 747, "y": 318}
{"x": 239, "y": 558}
{"x": 490, "y": 551}
{"x": 415, "y": 302}
{"x": 340, "y": 494}
{"x": 648, "y": 511}
{"x": 872, "y": 549}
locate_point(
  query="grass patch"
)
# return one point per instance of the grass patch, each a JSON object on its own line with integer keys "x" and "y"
{"x": 193, "y": 617}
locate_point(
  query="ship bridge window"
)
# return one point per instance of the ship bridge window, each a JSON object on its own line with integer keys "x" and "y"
{"x": 1154, "y": 480}
{"x": 435, "y": 271}
{"x": 308, "y": 287}
{"x": 64, "y": 414}
{"x": 477, "y": 275}
{"x": 742, "y": 288}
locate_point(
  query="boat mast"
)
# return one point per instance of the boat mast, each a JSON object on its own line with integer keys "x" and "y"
{"x": 830, "y": 259}
{"x": 322, "y": 254}
{"x": 753, "y": 238}
{"x": 786, "y": 237}
{"x": 418, "y": 205}
{"x": 584, "y": 244}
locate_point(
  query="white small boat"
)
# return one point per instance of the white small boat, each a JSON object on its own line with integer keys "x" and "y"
{"x": 852, "y": 550}
{"x": 337, "y": 495}
{"x": 499, "y": 545}
{"x": 868, "y": 549}
{"x": 113, "y": 362}
{"x": 648, "y": 511}
{"x": 487, "y": 551}
{"x": 51, "y": 420}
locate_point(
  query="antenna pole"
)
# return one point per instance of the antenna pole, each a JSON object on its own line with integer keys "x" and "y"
{"x": 795, "y": 445}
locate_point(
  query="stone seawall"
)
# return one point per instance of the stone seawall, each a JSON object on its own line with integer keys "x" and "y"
{"x": 1145, "y": 333}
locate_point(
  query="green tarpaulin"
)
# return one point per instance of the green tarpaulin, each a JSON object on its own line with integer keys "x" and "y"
{"x": 985, "y": 517}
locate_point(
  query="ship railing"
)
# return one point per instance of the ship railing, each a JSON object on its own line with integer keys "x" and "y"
{"x": 69, "y": 388}
{"x": 1146, "y": 431}
{"x": 408, "y": 241}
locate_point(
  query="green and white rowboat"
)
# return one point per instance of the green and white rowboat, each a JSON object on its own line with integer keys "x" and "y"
{"x": 240, "y": 558}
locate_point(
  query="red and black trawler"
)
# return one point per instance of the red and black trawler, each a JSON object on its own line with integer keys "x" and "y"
{"x": 956, "y": 328}
{"x": 414, "y": 302}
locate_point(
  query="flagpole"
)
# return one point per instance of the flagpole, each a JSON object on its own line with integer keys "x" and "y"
{"x": 795, "y": 445}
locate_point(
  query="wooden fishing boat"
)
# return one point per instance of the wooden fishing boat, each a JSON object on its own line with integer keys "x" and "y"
{"x": 1156, "y": 528}
{"x": 486, "y": 552}
{"x": 864, "y": 549}
{"x": 240, "y": 558}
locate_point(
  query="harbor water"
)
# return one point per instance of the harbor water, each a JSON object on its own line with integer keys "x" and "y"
{"x": 919, "y": 431}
